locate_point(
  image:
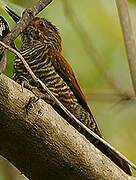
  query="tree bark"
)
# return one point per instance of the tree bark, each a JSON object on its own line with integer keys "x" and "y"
{"x": 42, "y": 145}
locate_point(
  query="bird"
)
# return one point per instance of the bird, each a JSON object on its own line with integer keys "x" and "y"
{"x": 42, "y": 50}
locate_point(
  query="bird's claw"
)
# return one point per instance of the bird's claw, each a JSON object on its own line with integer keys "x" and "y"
{"x": 31, "y": 101}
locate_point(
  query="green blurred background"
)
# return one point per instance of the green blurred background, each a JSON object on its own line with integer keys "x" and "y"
{"x": 93, "y": 45}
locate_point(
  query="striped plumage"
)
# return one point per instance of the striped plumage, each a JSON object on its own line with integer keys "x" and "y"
{"x": 39, "y": 57}
{"x": 42, "y": 50}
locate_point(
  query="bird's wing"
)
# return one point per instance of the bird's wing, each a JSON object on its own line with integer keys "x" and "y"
{"x": 65, "y": 71}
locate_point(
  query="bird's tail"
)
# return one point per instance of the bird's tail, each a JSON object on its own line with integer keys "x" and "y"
{"x": 114, "y": 156}
{"x": 106, "y": 149}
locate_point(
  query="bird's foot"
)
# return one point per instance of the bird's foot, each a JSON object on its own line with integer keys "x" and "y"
{"x": 33, "y": 100}
{"x": 30, "y": 103}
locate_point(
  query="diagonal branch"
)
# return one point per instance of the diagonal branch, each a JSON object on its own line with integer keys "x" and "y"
{"x": 129, "y": 37}
{"x": 91, "y": 133}
{"x": 42, "y": 145}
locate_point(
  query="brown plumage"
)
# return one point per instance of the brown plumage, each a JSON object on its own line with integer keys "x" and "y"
{"x": 42, "y": 49}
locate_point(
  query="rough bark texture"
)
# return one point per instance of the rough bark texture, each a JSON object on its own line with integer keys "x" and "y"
{"x": 42, "y": 145}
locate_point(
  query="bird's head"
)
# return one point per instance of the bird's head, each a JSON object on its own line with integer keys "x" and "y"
{"x": 39, "y": 30}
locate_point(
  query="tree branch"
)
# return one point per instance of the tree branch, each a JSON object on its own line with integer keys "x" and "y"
{"x": 42, "y": 145}
{"x": 129, "y": 37}
{"x": 72, "y": 117}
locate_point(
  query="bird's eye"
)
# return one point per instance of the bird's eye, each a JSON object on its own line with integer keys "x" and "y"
{"x": 41, "y": 23}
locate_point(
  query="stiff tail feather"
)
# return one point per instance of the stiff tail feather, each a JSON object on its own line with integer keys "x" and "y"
{"x": 119, "y": 161}
{"x": 102, "y": 145}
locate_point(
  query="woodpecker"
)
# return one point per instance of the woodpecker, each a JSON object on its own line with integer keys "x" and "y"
{"x": 42, "y": 50}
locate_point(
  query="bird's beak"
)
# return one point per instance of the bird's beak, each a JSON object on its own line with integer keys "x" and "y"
{"x": 14, "y": 16}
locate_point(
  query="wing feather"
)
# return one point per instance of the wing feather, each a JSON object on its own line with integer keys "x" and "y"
{"x": 65, "y": 71}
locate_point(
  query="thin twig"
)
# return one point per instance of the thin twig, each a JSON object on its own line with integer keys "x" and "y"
{"x": 63, "y": 107}
{"x": 27, "y": 17}
{"x": 91, "y": 50}
{"x": 129, "y": 37}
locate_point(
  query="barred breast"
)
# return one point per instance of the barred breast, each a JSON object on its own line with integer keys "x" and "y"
{"x": 39, "y": 61}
